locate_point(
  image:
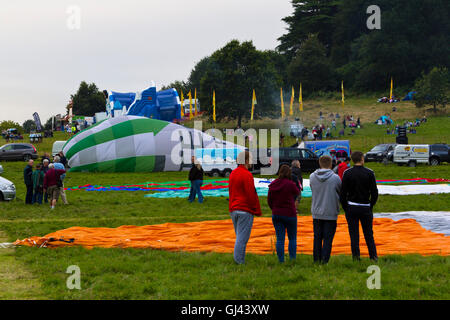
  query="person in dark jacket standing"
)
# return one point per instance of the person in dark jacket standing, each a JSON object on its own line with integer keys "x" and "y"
{"x": 38, "y": 184}
{"x": 27, "y": 177}
{"x": 359, "y": 194}
{"x": 325, "y": 188}
{"x": 281, "y": 199}
{"x": 196, "y": 178}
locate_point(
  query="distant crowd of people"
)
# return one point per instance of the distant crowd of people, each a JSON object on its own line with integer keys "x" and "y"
{"x": 320, "y": 131}
{"x": 409, "y": 125}
{"x": 46, "y": 182}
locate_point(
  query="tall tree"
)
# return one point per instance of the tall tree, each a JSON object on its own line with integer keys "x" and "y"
{"x": 311, "y": 66}
{"x": 433, "y": 88}
{"x": 310, "y": 16}
{"x": 233, "y": 72}
{"x": 29, "y": 126}
{"x": 88, "y": 100}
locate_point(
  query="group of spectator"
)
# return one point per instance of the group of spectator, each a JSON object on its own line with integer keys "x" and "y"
{"x": 10, "y": 136}
{"x": 353, "y": 188}
{"x": 46, "y": 182}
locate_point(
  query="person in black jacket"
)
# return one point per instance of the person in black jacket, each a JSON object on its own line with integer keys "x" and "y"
{"x": 27, "y": 177}
{"x": 359, "y": 194}
{"x": 196, "y": 179}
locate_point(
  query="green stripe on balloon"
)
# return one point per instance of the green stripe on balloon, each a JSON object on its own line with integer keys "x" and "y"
{"x": 120, "y": 130}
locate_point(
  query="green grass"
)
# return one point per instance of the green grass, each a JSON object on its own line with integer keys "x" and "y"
{"x": 153, "y": 274}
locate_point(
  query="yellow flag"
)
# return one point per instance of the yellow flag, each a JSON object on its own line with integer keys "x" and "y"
{"x": 182, "y": 103}
{"x": 392, "y": 88}
{"x": 214, "y": 106}
{"x": 291, "y": 107}
{"x": 190, "y": 105}
{"x": 195, "y": 100}
{"x": 300, "y": 98}
{"x": 253, "y": 104}
{"x": 283, "y": 114}
{"x": 343, "y": 95}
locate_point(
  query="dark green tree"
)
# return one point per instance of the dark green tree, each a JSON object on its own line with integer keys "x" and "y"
{"x": 233, "y": 72}
{"x": 88, "y": 100}
{"x": 311, "y": 67}
{"x": 177, "y": 85}
{"x": 433, "y": 88}
{"x": 200, "y": 69}
{"x": 310, "y": 16}
{"x": 9, "y": 124}
{"x": 29, "y": 126}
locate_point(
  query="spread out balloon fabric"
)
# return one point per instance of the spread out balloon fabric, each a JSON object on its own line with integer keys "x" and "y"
{"x": 391, "y": 237}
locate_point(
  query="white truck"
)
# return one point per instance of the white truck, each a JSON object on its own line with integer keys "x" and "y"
{"x": 412, "y": 154}
{"x": 218, "y": 162}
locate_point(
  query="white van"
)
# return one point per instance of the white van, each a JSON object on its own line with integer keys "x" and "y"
{"x": 412, "y": 154}
{"x": 57, "y": 147}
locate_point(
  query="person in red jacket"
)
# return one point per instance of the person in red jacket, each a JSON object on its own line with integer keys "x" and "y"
{"x": 281, "y": 199}
{"x": 343, "y": 166}
{"x": 243, "y": 204}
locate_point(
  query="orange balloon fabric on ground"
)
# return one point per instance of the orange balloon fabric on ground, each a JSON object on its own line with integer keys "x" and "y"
{"x": 391, "y": 237}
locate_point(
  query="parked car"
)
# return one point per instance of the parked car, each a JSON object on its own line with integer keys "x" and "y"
{"x": 18, "y": 151}
{"x": 439, "y": 153}
{"x": 379, "y": 153}
{"x": 7, "y": 190}
{"x": 412, "y": 154}
{"x": 309, "y": 161}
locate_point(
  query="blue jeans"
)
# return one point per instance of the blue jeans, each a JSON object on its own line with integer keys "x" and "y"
{"x": 282, "y": 224}
{"x": 243, "y": 223}
{"x": 37, "y": 197}
{"x": 195, "y": 190}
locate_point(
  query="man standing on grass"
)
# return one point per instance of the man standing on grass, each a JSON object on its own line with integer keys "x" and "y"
{"x": 325, "y": 188}
{"x": 243, "y": 204}
{"x": 359, "y": 194}
{"x": 27, "y": 177}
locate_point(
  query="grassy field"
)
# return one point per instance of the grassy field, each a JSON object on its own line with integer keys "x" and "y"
{"x": 31, "y": 273}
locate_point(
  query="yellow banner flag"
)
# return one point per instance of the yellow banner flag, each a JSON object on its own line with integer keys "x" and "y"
{"x": 190, "y": 106}
{"x": 182, "y": 103}
{"x": 253, "y": 104}
{"x": 214, "y": 106}
{"x": 392, "y": 88}
{"x": 300, "y": 98}
{"x": 283, "y": 114}
{"x": 291, "y": 107}
{"x": 343, "y": 95}
{"x": 195, "y": 101}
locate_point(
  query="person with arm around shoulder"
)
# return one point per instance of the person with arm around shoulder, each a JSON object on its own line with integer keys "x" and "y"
{"x": 281, "y": 199}
{"x": 325, "y": 187}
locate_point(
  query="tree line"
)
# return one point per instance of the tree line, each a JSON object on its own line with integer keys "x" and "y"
{"x": 326, "y": 42}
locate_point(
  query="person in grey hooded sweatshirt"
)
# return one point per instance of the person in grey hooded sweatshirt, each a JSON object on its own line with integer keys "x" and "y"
{"x": 325, "y": 186}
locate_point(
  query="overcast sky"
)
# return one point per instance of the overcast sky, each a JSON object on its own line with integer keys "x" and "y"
{"x": 121, "y": 45}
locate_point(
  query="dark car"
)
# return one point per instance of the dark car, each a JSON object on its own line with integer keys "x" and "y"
{"x": 379, "y": 153}
{"x": 18, "y": 151}
{"x": 309, "y": 162}
{"x": 439, "y": 153}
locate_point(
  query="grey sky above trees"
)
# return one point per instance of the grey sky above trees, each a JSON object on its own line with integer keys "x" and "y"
{"x": 121, "y": 45}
